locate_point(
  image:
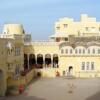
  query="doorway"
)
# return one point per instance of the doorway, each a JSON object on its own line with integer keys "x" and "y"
{"x": 70, "y": 71}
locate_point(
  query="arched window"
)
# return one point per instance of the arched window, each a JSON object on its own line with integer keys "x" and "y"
{"x": 76, "y": 51}
{"x": 93, "y": 51}
{"x": 83, "y": 51}
{"x": 79, "y": 51}
{"x": 71, "y": 51}
{"x": 66, "y": 50}
{"x": 98, "y": 51}
{"x": 88, "y": 51}
{"x": 62, "y": 51}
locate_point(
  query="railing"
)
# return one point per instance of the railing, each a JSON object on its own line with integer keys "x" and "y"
{"x": 43, "y": 42}
{"x": 15, "y": 36}
{"x": 5, "y": 36}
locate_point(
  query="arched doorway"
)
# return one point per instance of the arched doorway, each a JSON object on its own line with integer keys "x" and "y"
{"x": 39, "y": 61}
{"x": 47, "y": 60}
{"x": 55, "y": 61}
{"x": 70, "y": 71}
{"x": 2, "y": 84}
{"x": 32, "y": 61}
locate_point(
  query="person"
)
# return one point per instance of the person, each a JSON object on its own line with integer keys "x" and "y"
{"x": 21, "y": 88}
{"x": 57, "y": 74}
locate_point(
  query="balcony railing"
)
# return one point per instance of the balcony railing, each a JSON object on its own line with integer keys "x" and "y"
{"x": 43, "y": 42}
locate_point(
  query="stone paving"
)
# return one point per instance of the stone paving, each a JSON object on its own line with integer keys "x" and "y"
{"x": 60, "y": 89}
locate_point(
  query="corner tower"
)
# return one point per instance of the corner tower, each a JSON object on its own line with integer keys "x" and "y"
{"x": 13, "y": 29}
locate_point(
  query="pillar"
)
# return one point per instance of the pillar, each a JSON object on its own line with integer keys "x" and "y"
{"x": 36, "y": 58}
{"x": 44, "y": 65}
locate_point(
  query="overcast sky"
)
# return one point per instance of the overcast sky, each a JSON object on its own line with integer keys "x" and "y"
{"x": 38, "y": 16}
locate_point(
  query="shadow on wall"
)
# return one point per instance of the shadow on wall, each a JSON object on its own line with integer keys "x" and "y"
{"x": 94, "y": 97}
{"x": 21, "y": 97}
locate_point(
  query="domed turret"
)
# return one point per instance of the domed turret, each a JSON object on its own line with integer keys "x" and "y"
{"x": 13, "y": 29}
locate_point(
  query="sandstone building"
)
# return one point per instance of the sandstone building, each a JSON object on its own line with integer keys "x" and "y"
{"x": 73, "y": 51}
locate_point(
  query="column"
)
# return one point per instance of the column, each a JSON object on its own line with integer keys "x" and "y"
{"x": 44, "y": 61}
{"x": 36, "y": 58}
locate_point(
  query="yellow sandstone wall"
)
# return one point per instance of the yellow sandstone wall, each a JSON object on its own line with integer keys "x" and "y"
{"x": 76, "y": 62}
{"x": 86, "y": 25}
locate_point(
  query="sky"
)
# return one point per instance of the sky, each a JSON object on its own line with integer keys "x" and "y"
{"x": 38, "y": 16}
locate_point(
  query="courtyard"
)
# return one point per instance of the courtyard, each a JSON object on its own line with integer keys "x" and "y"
{"x": 60, "y": 89}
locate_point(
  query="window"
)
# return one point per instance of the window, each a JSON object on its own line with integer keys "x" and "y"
{"x": 65, "y": 25}
{"x": 88, "y": 51}
{"x": 92, "y": 65}
{"x": 93, "y": 51}
{"x": 17, "y": 69}
{"x": 58, "y": 39}
{"x": 66, "y": 50}
{"x": 17, "y": 51}
{"x": 58, "y": 28}
{"x": 62, "y": 51}
{"x": 70, "y": 51}
{"x": 76, "y": 51}
{"x": 79, "y": 51}
{"x": 98, "y": 51}
{"x": 83, "y": 51}
{"x": 87, "y": 66}
{"x": 66, "y": 39}
{"x": 83, "y": 65}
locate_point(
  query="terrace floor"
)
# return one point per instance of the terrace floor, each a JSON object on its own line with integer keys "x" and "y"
{"x": 60, "y": 89}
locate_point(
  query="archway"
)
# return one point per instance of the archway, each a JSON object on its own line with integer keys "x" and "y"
{"x": 55, "y": 61}
{"x": 32, "y": 61}
{"x": 70, "y": 71}
{"x": 2, "y": 84}
{"x": 47, "y": 60}
{"x": 39, "y": 61}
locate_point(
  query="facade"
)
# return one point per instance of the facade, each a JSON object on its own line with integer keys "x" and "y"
{"x": 11, "y": 59}
{"x": 73, "y": 51}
